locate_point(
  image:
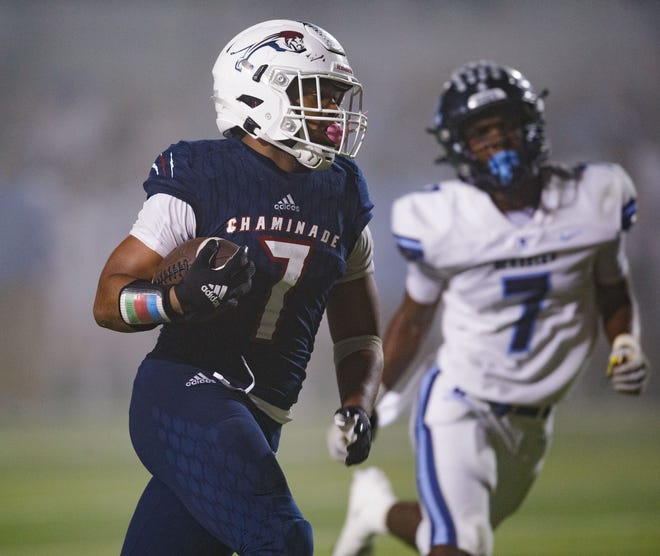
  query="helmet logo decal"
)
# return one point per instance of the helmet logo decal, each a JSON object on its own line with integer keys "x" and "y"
{"x": 284, "y": 41}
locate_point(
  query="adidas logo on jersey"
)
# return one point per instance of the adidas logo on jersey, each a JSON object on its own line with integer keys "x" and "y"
{"x": 215, "y": 292}
{"x": 287, "y": 204}
{"x": 199, "y": 378}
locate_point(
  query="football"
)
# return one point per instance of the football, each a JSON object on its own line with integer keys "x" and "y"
{"x": 174, "y": 266}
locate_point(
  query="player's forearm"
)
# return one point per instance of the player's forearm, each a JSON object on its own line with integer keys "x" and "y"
{"x": 358, "y": 377}
{"x": 401, "y": 344}
{"x": 619, "y": 322}
{"x": 617, "y": 311}
{"x": 106, "y": 304}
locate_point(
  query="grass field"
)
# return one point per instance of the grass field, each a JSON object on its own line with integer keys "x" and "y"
{"x": 69, "y": 488}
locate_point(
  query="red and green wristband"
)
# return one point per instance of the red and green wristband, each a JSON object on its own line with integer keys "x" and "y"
{"x": 142, "y": 303}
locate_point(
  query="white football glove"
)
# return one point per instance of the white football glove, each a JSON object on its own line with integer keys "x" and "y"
{"x": 628, "y": 369}
{"x": 336, "y": 442}
{"x": 389, "y": 408}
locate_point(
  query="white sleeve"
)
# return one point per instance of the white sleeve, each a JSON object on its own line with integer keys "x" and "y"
{"x": 360, "y": 262}
{"x": 164, "y": 222}
{"x": 421, "y": 287}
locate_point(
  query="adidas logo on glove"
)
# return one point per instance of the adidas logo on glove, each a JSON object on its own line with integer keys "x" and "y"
{"x": 215, "y": 293}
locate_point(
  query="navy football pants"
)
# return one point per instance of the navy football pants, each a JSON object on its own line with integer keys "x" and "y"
{"x": 217, "y": 487}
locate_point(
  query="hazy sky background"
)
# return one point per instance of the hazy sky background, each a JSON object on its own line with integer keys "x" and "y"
{"x": 93, "y": 91}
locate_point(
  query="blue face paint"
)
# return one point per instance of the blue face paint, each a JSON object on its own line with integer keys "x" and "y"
{"x": 503, "y": 164}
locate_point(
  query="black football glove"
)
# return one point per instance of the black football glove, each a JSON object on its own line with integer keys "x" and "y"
{"x": 355, "y": 426}
{"x": 373, "y": 421}
{"x": 205, "y": 290}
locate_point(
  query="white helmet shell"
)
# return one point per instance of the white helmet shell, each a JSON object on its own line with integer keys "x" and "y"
{"x": 250, "y": 81}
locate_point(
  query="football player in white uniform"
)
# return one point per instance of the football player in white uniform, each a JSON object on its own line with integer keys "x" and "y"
{"x": 525, "y": 258}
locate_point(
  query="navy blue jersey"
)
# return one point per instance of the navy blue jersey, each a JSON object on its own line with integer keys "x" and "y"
{"x": 299, "y": 227}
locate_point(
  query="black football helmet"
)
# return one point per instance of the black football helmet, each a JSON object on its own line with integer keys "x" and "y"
{"x": 478, "y": 88}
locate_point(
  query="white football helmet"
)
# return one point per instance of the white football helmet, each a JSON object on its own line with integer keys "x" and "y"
{"x": 250, "y": 81}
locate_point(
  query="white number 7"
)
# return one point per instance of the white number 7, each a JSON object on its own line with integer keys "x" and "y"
{"x": 294, "y": 255}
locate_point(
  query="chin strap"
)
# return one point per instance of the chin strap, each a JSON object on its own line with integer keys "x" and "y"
{"x": 307, "y": 155}
{"x": 310, "y": 158}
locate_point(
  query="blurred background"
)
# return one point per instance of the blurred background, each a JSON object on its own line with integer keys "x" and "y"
{"x": 92, "y": 91}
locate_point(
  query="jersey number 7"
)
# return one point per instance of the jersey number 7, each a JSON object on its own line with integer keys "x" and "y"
{"x": 294, "y": 257}
{"x": 533, "y": 289}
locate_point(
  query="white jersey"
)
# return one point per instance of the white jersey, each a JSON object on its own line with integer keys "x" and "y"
{"x": 519, "y": 311}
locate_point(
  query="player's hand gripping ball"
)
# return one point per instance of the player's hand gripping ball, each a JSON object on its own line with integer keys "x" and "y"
{"x": 176, "y": 265}
{"x": 207, "y": 274}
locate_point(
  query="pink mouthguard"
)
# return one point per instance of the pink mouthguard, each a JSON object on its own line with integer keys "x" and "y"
{"x": 335, "y": 133}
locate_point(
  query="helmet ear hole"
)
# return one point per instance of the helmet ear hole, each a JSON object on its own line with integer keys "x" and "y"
{"x": 250, "y": 126}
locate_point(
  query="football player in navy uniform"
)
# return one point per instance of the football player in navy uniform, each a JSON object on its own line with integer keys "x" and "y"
{"x": 525, "y": 258}
{"x": 210, "y": 399}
